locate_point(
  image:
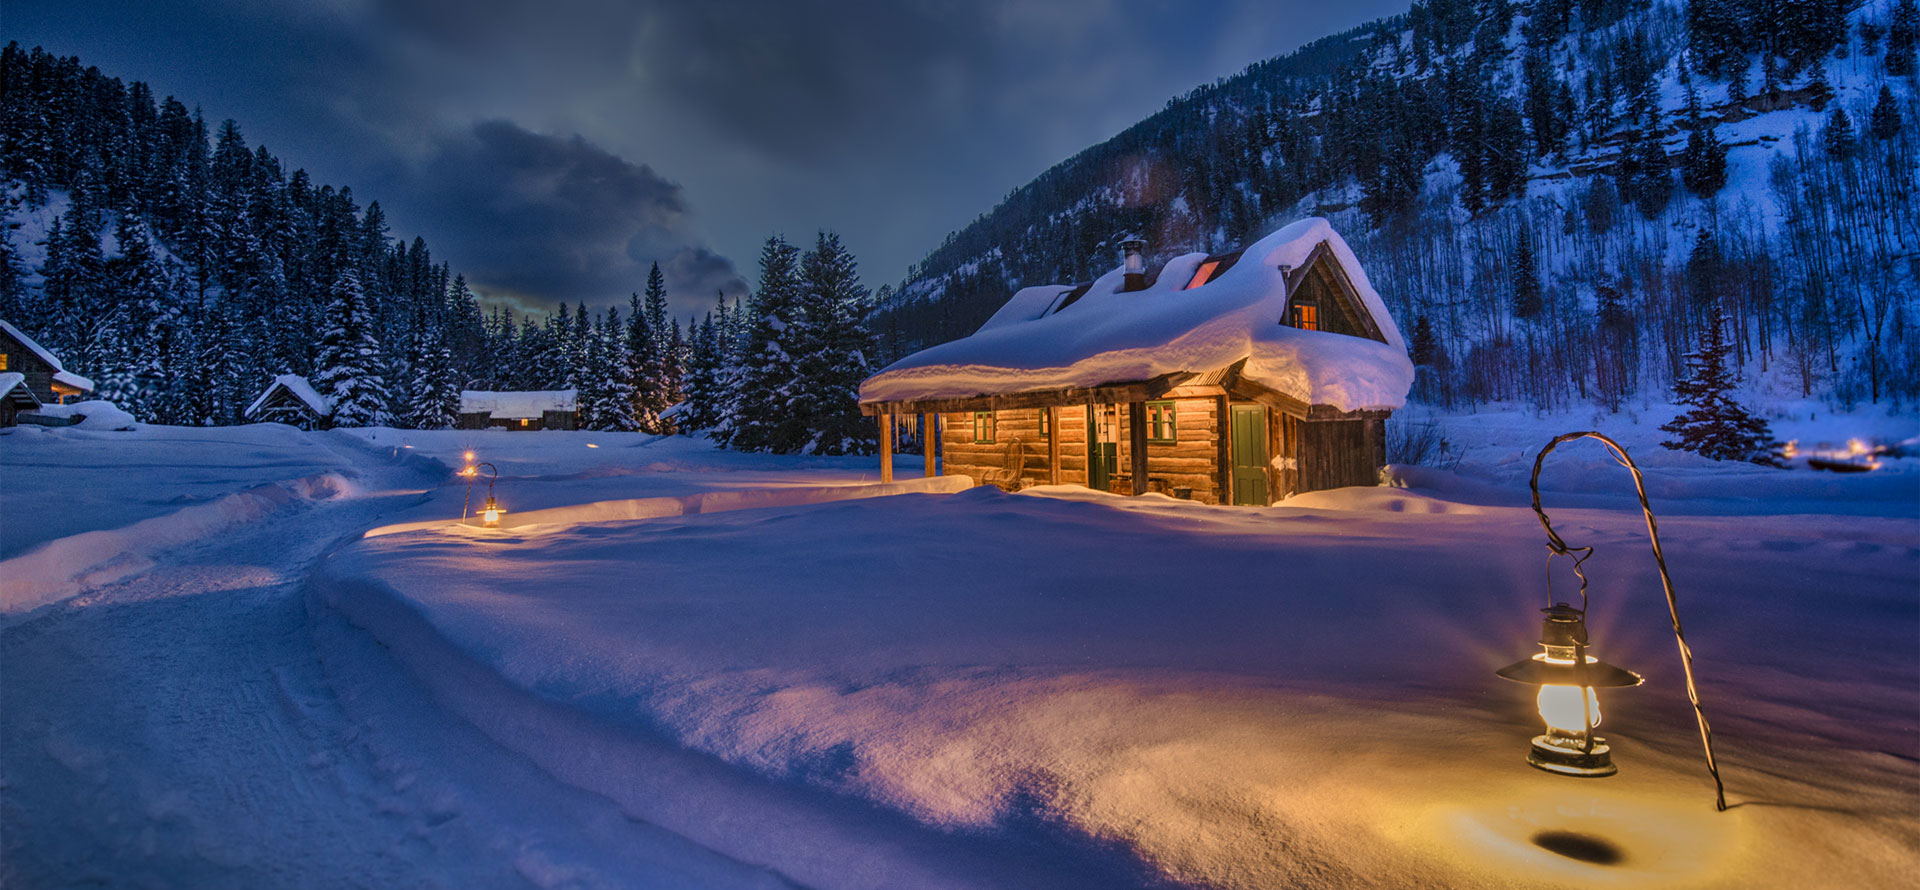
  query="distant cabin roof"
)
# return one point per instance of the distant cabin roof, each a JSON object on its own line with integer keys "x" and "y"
{"x": 60, "y": 374}
{"x": 528, "y": 405}
{"x": 299, "y": 388}
{"x": 1042, "y": 341}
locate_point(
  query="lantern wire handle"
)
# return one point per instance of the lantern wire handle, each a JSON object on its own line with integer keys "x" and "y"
{"x": 1558, "y": 547}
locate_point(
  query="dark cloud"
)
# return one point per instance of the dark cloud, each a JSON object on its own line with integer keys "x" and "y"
{"x": 532, "y": 213}
{"x": 697, "y": 271}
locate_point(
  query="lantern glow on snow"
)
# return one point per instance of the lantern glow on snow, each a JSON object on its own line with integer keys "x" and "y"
{"x": 490, "y": 516}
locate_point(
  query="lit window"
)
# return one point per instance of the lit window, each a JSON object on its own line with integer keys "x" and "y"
{"x": 1204, "y": 274}
{"x": 983, "y": 427}
{"x": 1046, "y": 423}
{"x": 1160, "y": 423}
{"x": 4, "y": 358}
{"x": 1306, "y": 316}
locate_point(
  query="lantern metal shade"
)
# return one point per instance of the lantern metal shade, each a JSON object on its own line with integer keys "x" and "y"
{"x": 1539, "y": 671}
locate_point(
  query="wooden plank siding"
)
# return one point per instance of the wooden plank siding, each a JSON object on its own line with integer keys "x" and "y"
{"x": 1191, "y": 461}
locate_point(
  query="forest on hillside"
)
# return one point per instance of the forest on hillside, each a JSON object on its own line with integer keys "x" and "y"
{"x": 1554, "y": 196}
{"x": 182, "y": 270}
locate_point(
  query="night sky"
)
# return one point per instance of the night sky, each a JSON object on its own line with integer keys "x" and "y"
{"x": 550, "y": 151}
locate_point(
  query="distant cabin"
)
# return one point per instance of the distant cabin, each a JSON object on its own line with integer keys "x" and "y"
{"x": 1234, "y": 378}
{"x": 40, "y": 369}
{"x": 291, "y": 400}
{"x": 16, "y": 398}
{"x": 533, "y": 410}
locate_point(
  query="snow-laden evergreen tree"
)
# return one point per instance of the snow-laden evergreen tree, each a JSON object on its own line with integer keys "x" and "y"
{"x": 15, "y": 300}
{"x": 140, "y": 359}
{"x": 75, "y": 293}
{"x": 433, "y": 392}
{"x": 1715, "y": 425}
{"x": 658, "y": 374}
{"x": 759, "y": 419}
{"x": 222, "y": 382}
{"x": 705, "y": 363}
{"x": 833, "y": 345}
{"x": 348, "y": 365}
{"x": 613, "y": 410}
{"x": 643, "y": 362}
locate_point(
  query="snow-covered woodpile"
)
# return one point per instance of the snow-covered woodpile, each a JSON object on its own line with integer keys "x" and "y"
{"x": 530, "y": 410}
{"x": 1237, "y": 378}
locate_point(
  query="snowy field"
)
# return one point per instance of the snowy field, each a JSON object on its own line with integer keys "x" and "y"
{"x": 1048, "y": 689}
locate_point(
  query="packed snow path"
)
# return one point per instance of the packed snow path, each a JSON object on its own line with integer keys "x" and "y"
{"x": 179, "y": 728}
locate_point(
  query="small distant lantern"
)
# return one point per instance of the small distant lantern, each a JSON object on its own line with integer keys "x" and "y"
{"x": 1567, "y": 676}
{"x": 1133, "y": 259}
{"x": 489, "y": 512}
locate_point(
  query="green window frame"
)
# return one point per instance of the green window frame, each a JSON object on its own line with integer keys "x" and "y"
{"x": 983, "y": 424}
{"x": 1162, "y": 429}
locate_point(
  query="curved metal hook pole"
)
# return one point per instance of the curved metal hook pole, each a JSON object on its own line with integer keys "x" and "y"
{"x": 1579, "y": 555}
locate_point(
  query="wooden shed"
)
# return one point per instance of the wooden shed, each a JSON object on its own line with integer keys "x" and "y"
{"x": 1234, "y": 378}
{"x": 291, "y": 400}
{"x": 16, "y": 398}
{"x": 41, "y": 369}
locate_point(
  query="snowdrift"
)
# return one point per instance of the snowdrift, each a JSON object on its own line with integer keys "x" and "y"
{"x": 1220, "y": 697}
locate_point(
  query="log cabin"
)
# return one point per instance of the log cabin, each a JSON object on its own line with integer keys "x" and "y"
{"x": 41, "y": 369}
{"x": 531, "y": 410}
{"x": 291, "y": 400}
{"x": 1233, "y": 378}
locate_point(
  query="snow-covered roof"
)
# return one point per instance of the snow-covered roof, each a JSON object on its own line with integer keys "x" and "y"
{"x": 12, "y": 380}
{"x": 299, "y": 388}
{"x": 1035, "y": 343}
{"x": 517, "y": 405}
{"x": 60, "y": 374}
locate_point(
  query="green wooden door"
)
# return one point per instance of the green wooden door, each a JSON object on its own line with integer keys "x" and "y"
{"x": 1250, "y": 455}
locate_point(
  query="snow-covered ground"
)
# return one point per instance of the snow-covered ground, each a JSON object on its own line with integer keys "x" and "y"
{"x": 1051, "y": 689}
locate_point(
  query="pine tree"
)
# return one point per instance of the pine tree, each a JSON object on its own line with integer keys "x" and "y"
{"x": 760, "y": 420}
{"x": 1527, "y": 301}
{"x": 1703, "y": 165}
{"x": 149, "y": 325}
{"x": 1716, "y": 425}
{"x": 647, "y": 346}
{"x": 1837, "y": 136}
{"x": 433, "y": 396}
{"x": 1884, "y": 124}
{"x": 1424, "y": 345}
{"x": 1903, "y": 32}
{"x": 833, "y": 345}
{"x": 704, "y": 363}
{"x": 614, "y": 411}
{"x": 347, "y": 367}
{"x": 1652, "y": 178}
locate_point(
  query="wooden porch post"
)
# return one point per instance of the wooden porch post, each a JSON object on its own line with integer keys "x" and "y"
{"x": 1223, "y": 454}
{"x": 1053, "y": 444}
{"x": 930, "y": 441}
{"x": 1093, "y": 444}
{"x": 886, "y": 448}
{"x": 1137, "y": 438}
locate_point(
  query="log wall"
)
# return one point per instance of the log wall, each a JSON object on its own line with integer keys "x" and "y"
{"x": 1191, "y": 461}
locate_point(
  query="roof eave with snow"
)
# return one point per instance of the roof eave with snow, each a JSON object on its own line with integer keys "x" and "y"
{"x": 1114, "y": 339}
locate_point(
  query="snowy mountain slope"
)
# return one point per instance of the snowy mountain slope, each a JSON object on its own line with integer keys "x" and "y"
{"x": 1479, "y": 153}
